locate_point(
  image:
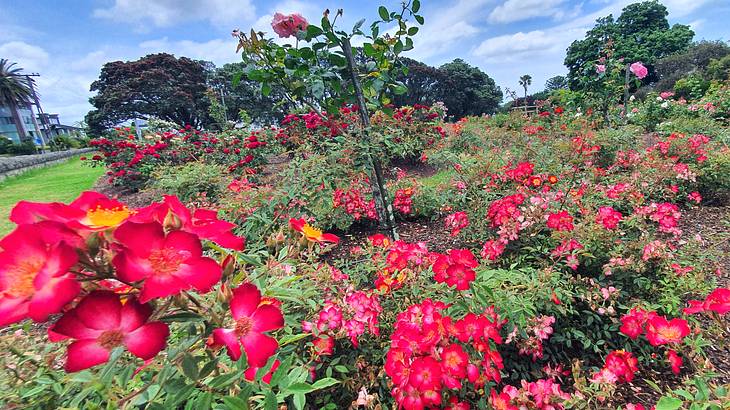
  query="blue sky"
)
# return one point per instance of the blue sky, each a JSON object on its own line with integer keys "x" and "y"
{"x": 67, "y": 42}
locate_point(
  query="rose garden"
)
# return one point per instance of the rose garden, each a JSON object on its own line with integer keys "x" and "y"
{"x": 362, "y": 253}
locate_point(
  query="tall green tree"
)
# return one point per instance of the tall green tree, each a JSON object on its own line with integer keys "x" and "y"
{"x": 525, "y": 81}
{"x": 15, "y": 92}
{"x": 467, "y": 90}
{"x": 238, "y": 93}
{"x": 422, "y": 82}
{"x": 695, "y": 60}
{"x": 641, "y": 33}
{"x": 558, "y": 82}
{"x": 155, "y": 86}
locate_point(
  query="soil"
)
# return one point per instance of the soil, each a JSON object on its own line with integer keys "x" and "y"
{"x": 133, "y": 199}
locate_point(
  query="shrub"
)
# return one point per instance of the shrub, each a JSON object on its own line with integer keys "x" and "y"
{"x": 192, "y": 181}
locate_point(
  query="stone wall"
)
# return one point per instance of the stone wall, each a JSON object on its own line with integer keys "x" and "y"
{"x": 19, "y": 164}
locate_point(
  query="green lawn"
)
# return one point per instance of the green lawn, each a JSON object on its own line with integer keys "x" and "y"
{"x": 61, "y": 182}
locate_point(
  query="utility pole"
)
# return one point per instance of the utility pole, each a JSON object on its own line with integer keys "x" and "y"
{"x": 45, "y": 138}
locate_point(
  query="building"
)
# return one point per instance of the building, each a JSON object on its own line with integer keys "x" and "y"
{"x": 29, "y": 127}
{"x": 41, "y": 130}
{"x": 51, "y": 127}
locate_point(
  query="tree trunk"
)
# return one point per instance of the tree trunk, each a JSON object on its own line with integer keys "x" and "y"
{"x": 380, "y": 194}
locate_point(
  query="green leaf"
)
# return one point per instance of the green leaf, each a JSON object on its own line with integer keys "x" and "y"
{"x": 190, "y": 367}
{"x": 368, "y": 49}
{"x": 299, "y": 401}
{"x": 225, "y": 379}
{"x": 684, "y": 393}
{"x": 416, "y": 6}
{"x": 383, "y": 12}
{"x": 313, "y": 31}
{"x": 181, "y": 395}
{"x": 358, "y": 25}
{"x": 668, "y": 403}
{"x": 281, "y": 371}
{"x": 270, "y": 400}
{"x": 419, "y": 19}
{"x": 235, "y": 403}
{"x": 318, "y": 89}
{"x": 324, "y": 383}
{"x": 300, "y": 388}
{"x": 204, "y": 401}
{"x": 412, "y": 31}
{"x": 237, "y": 78}
{"x": 398, "y": 47}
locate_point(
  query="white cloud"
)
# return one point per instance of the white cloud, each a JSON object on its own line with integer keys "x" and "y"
{"x": 681, "y": 8}
{"x": 518, "y": 10}
{"x": 63, "y": 84}
{"x": 446, "y": 28}
{"x": 28, "y": 57}
{"x": 166, "y": 13}
{"x": 219, "y": 51}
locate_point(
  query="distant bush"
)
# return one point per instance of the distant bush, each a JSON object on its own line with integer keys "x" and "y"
{"x": 191, "y": 181}
{"x": 25, "y": 148}
{"x": 5, "y": 145}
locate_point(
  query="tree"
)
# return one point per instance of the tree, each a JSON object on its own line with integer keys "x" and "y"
{"x": 696, "y": 59}
{"x": 641, "y": 33}
{"x": 15, "y": 92}
{"x": 559, "y": 82}
{"x": 525, "y": 81}
{"x": 422, "y": 82}
{"x": 240, "y": 93}
{"x": 467, "y": 90}
{"x": 155, "y": 86}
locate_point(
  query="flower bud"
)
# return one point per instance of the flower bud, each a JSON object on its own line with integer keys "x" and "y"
{"x": 224, "y": 294}
{"x": 172, "y": 222}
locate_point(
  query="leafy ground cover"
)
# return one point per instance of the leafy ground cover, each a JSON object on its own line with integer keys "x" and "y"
{"x": 61, "y": 182}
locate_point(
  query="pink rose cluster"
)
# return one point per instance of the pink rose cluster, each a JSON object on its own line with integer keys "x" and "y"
{"x": 639, "y": 70}
{"x": 288, "y": 25}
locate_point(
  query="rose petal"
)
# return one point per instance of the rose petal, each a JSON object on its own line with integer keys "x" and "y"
{"x": 246, "y": 299}
{"x": 259, "y": 347}
{"x": 84, "y": 354}
{"x": 267, "y": 317}
{"x": 148, "y": 340}
{"x": 229, "y": 339}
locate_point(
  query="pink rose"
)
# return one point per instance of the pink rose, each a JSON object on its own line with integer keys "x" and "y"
{"x": 288, "y": 25}
{"x": 600, "y": 68}
{"x": 639, "y": 70}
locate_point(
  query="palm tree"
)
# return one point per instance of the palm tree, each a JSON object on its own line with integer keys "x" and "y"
{"x": 525, "y": 81}
{"x": 15, "y": 92}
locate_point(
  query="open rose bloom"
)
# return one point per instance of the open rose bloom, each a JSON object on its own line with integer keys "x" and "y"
{"x": 60, "y": 255}
{"x": 35, "y": 281}
{"x": 100, "y": 322}
{"x": 253, "y": 317}
{"x": 288, "y": 25}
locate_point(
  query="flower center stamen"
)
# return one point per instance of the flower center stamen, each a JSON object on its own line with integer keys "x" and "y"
{"x": 111, "y": 339}
{"x": 311, "y": 232}
{"x": 21, "y": 276}
{"x": 166, "y": 260}
{"x": 243, "y": 326}
{"x": 107, "y": 217}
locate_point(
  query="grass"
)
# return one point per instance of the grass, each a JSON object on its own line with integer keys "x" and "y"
{"x": 61, "y": 182}
{"x": 439, "y": 178}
